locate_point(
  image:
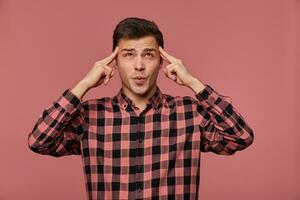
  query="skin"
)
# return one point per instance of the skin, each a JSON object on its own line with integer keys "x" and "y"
{"x": 132, "y": 57}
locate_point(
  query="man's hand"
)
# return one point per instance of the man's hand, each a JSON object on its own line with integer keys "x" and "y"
{"x": 101, "y": 72}
{"x": 177, "y": 71}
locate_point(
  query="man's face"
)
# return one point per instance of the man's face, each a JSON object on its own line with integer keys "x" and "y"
{"x": 138, "y": 58}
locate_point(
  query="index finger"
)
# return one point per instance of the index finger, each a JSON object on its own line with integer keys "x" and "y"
{"x": 169, "y": 58}
{"x": 111, "y": 57}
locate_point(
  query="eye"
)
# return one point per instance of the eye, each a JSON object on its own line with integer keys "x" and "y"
{"x": 128, "y": 54}
{"x": 149, "y": 54}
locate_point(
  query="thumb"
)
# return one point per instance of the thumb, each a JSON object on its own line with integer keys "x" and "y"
{"x": 108, "y": 77}
{"x": 165, "y": 71}
{"x": 106, "y": 80}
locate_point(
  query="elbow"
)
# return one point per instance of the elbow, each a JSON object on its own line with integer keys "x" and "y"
{"x": 250, "y": 139}
{"x": 33, "y": 144}
{"x": 44, "y": 149}
{"x": 226, "y": 152}
{"x": 33, "y": 139}
{"x": 241, "y": 144}
{"x": 35, "y": 149}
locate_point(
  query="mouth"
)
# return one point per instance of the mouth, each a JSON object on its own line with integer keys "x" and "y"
{"x": 139, "y": 77}
{"x": 139, "y": 80}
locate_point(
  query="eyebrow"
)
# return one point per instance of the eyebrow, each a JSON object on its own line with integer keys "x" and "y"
{"x": 132, "y": 49}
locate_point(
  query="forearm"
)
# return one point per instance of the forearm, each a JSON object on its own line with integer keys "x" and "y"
{"x": 54, "y": 127}
{"x": 224, "y": 130}
{"x": 196, "y": 85}
{"x": 80, "y": 89}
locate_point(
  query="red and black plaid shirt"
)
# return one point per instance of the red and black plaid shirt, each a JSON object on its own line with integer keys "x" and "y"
{"x": 151, "y": 155}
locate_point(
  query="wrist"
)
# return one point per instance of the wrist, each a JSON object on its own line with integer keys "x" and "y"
{"x": 83, "y": 85}
{"x": 196, "y": 85}
{"x": 80, "y": 89}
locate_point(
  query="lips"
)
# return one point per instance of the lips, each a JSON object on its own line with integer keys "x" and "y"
{"x": 139, "y": 79}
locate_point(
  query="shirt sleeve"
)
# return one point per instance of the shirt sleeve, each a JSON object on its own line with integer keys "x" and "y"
{"x": 224, "y": 131}
{"x": 58, "y": 129}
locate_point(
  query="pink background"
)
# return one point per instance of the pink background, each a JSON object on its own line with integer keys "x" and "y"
{"x": 244, "y": 49}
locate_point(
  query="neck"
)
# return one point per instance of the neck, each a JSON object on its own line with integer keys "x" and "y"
{"x": 140, "y": 101}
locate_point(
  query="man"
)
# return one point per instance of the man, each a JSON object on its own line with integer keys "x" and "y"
{"x": 140, "y": 143}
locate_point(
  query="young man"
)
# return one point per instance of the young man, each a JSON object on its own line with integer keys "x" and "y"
{"x": 140, "y": 143}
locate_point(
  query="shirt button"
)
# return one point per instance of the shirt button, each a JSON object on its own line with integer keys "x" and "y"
{"x": 139, "y": 187}
{"x": 205, "y": 95}
{"x": 140, "y": 139}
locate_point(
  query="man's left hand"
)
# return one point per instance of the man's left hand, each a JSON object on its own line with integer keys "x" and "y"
{"x": 176, "y": 70}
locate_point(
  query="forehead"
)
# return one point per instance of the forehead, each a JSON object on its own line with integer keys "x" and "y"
{"x": 138, "y": 44}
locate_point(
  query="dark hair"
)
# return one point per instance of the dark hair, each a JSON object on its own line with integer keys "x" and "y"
{"x": 135, "y": 28}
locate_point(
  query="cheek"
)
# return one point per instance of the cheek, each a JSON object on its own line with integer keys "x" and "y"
{"x": 124, "y": 63}
{"x": 122, "y": 66}
{"x": 123, "y": 71}
{"x": 154, "y": 73}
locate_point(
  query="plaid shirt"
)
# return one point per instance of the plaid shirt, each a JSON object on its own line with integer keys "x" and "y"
{"x": 151, "y": 155}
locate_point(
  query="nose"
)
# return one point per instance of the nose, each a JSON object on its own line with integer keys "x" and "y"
{"x": 139, "y": 65}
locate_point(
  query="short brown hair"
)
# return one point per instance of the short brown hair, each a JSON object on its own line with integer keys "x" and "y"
{"x": 135, "y": 28}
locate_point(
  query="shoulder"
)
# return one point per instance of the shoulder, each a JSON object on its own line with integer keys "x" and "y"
{"x": 97, "y": 104}
{"x": 177, "y": 100}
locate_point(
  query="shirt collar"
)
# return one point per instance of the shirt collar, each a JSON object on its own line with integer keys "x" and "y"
{"x": 124, "y": 100}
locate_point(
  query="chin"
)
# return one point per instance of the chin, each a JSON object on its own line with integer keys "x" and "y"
{"x": 139, "y": 89}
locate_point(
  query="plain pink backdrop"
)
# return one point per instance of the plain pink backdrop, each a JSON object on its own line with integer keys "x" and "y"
{"x": 244, "y": 49}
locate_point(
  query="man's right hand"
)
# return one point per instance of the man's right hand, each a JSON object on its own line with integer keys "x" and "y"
{"x": 99, "y": 74}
